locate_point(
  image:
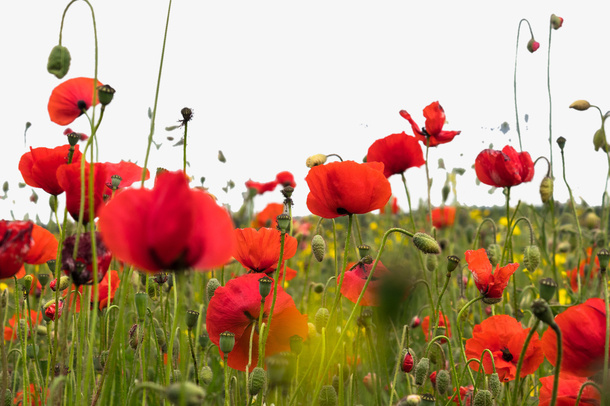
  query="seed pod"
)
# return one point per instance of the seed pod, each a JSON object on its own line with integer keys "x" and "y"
{"x": 318, "y": 246}
{"x": 176, "y": 376}
{"x": 442, "y": 381}
{"x": 328, "y": 396}
{"x": 206, "y": 375}
{"x": 421, "y": 371}
{"x": 322, "y": 316}
{"x": 258, "y": 380}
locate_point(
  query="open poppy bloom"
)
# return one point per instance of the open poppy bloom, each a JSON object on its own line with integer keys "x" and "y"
{"x": 69, "y": 179}
{"x": 443, "y": 216}
{"x": 259, "y": 250}
{"x": 504, "y": 337}
{"x": 171, "y": 227}
{"x": 285, "y": 178}
{"x": 81, "y": 267}
{"x": 504, "y": 168}
{"x": 491, "y": 285}
{"x": 443, "y": 322}
{"x": 236, "y": 307}
{"x": 44, "y": 247}
{"x": 432, "y": 133}
{"x": 267, "y": 216}
{"x": 15, "y": 243}
{"x": 127, "y": 171}
{"x": 106, "y": 290}
{"x": 593, "y": 271}
{"x": 583, "y": 335}
{"x": 71, "y": 98}
{"x": 397, "y": 152}
{"x": 10, "y": 332}
{"x": 342, "y": 188}
{"x": 39, "y": 167}
{"x": 355, "y": 277}
{"x": 567, "y": 393}
{"x": 260, "y": 188}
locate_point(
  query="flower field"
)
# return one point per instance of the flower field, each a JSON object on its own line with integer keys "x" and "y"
{"x": 151, "y": 293}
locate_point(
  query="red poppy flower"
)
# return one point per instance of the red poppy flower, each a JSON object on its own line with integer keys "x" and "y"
{"x": 44, "y": 248}
{"x": 51, "y": 310}
{"x": 70, "y": 99}
{"x": 443, "y": 322}
{"x": 567, "y": 393}
{"x": 504, "y": 168}
{"x": 261, "y": 188}
{"x": 433, "y": 132}
{"x": 35, "y": 396}
{"x": 583, "y": 332}
{"x": 354, "y": 279}
{"x": 81, "y": 267}
{"x": 504, "y": 337}
{"x": 259, "y": 250}
{"x": 443, "y": 216}
{"x": 70, "y": 180}
{"x": 397, "y": 152}
{"x": 128, "y": 172}
{"x": 236, "y": 307}
{"x": 393, "y": 203}
{"x": 267, "y": 217}
{"x": 341, "y": 188}
{"x": 15, "y": 243}
{"x": 106, "y": 296}
{"x": 39, "y": 167}
{"x": 175, "y": 228}
{"x": 10, "y": 332}
{"x": 573, "y": 274}
{"x": 491, "y": 285}
{"x": 285, "y": 179}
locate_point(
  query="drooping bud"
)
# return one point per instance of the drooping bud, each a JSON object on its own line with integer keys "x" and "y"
{"x": 533, "y": 45}
{"x": 296, "y": 344}
{"x": 546, "y": 189}
{"x": 226, "y": 342}
{"x": 483, "y": 398}
{"x": 495, "y": 386}
{"x": 426, "y": 243}
{"x": 318, "y": 246}
{"x": 599, "y": 140}
{"x": 105, "y": 93}
{"x": 318, "y": 288}
{"x": 556, "y": 22}
{"x": 543, "y": 312}
{"x": 161, "y": 339}
{"x": 531, "y": 257}
{"x": 258, "y": 380}
{"x": 141, "y": 299}
{"x": 283, "y": 222}
{"x": 133, "y": 336}
{"x": 494, "y": 253}
{"x": 580, "y": 105}
{"x": 192, "y": 317}
{"x": 548, "y": 287}
{"x": 442, "y": 381}
{"x": 315, "y": 160}
{"x": 212, "y": 285}
{"x": 321, "y": 320}
{"x": 206, "y": 375}
{"x": 59, "y": 61}
{"x": 185, "y": 393}
{"x": 431, "y": 262}
{"x": 328, "y": 396}
{"x": 421, "y": 371}
{"x": 407, "y": 361}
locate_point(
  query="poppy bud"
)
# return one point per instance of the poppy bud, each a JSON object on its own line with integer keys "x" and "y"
{"x": 328, "y": 396}
{"x": 365, "y": 319}
{"x": 445, "y": 192}
{"x": 187, "y": 114}
{"x": 410, "y": 400}
{"x": 264, "y": 286}
{"x": 27, "y": 283}
{"x": 258, "y": 380}
{"x": 283, "y": 222}
{"x": 185, "y": 393}
{"x": 8, "y": 397}
{"x": 533, "y": 45}
{"x": 226, "y": 342}
{"x": 161, "y": 340}
{"x": 542, "y": 311}
{"x": 546, "y": 189}
{"x": 428, "y": 399}
{"x": 296, "y": 344}
{"x": 206, "y": 375}
{"x": 4, "y": 298}
{"x": 64, "y": 283}
{"x": 442, "y": 381}
{"x": 212, "y": 285}
{"x": 599, "y": 140}
{"x": 133, "y": 336}
{"x": 321, "y": 320}
{"x": 580, "y": 105}
{"x": 105, "y": 94}
{"x": 531, "y": 257}
{"x": 561, "y": 141}
{"x": 192, "y": 317}
{"x": 556, "y": 22}
{"x": 53, "y": 203}
{"x": 59, "y": 61}
{"x": 318, "y": 288}
{"x": 43, "y": 278}
{"x": 415, "y": 322}
{"x": 495, "y": 387}
{"x": 548, "y": 287}
{"x": 483, "y": 398}
{"x": 407, "y": 362}
{"x": 426, "y": 243}
{"x": 154, "y": 290}
{"x": 421, "y": 371}
{"x": 221, "y": 157}
{"x": 494, "y": 253}
{"x": 431, "y": 262}
{"x": 591, "y": 220}
{"x": 603, "y": 256}
{"x": 315, "y": 160}
{"x": 141, "y": 305}
{"x": 318, "y": 246}
{"x": 176, "y": 376}
{"x": 432, "y": 378}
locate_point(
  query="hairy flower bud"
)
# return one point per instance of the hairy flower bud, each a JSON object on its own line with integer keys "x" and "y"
{"x": 531, "y": 257}
{"x": 421, "y": 371}
{"x": 318, "y": 246}
{"x": 556, "y": 22}
{"x": 212, "y": 285}
{"x": 483, "y": 398}
{"x": 328, "y": 396}
{"x": 321, "y": 320}
{"x": 407, "y": 361}
{"x": 442, "y": 381}
{"x": 495, "y": 386}
{"x": 206, "y": 375}
{"x": 315, "y": 160}
{"x": 431, "y": 262}
{"x": 546, "y": 189}
{"x": 494, "y": 253}
{"x": 533, "y": 45}
{"x": 426, "y": 243}
{"x": 185, "y": 394}
{"x": 59, "y": 61}
{"x": 258, "y": 380}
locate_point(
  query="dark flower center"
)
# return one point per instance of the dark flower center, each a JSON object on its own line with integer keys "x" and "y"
{"x": 342, "y": 211}
{"x": 506, "y": 355}
{"x": 81, "y": 105}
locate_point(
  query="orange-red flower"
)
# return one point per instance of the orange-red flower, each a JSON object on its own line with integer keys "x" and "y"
{"x": 44, "y": 247}
{"x": 504, "y": 168}
{"x": 443, "y": 216}
{"x": 39, "y": 167}
{"x": 355, "y": 277}
{"x": 341, "y": 188}
{"x": 504, "y": 337}
{"x": 583, "y": 332}
{"x": 491, "y": 285}
{"x": 10, "y": 332}
{"x": 260, "y": 188}
{"x": 15, "y": 243}
{"x": 70, "y": 180}
{"x": 35, "y": 396}
{"x": 567, "y": 393}
{"x": 397, "y": 152}
{"x": 236, "y": 307}
{"x": 259, "y": 250}
{"x": 171, "y": 227}
{"x": 433, "y": 132}
{"x": 70, "y": 99}
{"x": 285, "y": 178}
{"x": 593, "y": 271}
{"x": 443, "y": 322}
{"x": 267, "y": 217}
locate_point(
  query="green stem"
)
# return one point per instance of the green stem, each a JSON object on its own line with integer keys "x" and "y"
{"x": 515, "y": 77}
{"x": 398, "y": 362}
{"x": 343, "y": 269}
{"x": 459, "y": 332}
{"x": 530, "y": 334}
{"x": 184, "y": 147}
{"x": 557, "y": 330}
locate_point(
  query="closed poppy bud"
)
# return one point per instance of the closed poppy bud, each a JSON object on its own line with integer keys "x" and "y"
{"x": 185, "y": 393}
{"x": 426, "y": 243}
{"x": 161, "y": 339}
{"x": 133, "y": 336}
{"x": 141, "y": 305}
{"x": 191, "y": 318}
{"x": 482, "y": 398}
{"x": 531, "y": 257}
{"x": 548, "y": 287}
{"x": 556, "y": 22}
{"x": 546, "y": 189}
{"x": 296, "y": 344}
{"x": 4, "y": 298}
{"x": 542, "y": 311}
{"x": 328, "y": 396}
{"x": 431, "y": 262}
{"x": 264, "y": 286}
{"x": 442, "y": 381}
{"x": 187, "y": 114}
{"x": 258, "y": 379}
{"x": 315, "y": 160}
{"x": 321, "y": 320}
{"x": 591, "y": 220}
{"x": 27, "y": 283}
{"x": 226, "y": 342}
{"x": 599, "y": 140}
{"x": 580, "y": 105}
{"x": 318, "y": 246}
{"x": 421, "y": 371}
{"x": 221, "y": 157}
{"x": 64, "y": 282}
{"x": 206, "y": 375}
{"x": 533, "y": 45}
{"x": 212, "y": 285}
{"x": 318, "y": 288}
{"x": 494, "y": 253}
{"x": 411, "y": 400}
{"x": 59, "y": 61}
{"x": 495, "y": 387}
{"x": 105, "y": 94}
{"x": 415, "y": 322}
{"x": 407, "y": 362}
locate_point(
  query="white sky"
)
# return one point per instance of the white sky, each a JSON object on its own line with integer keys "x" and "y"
{"x": 272, "y": 82}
